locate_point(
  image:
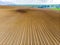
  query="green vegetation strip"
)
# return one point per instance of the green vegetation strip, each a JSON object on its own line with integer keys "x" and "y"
{"x": 56, "y": 8}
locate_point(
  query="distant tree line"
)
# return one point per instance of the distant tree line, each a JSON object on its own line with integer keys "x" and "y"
{"x": 47, "y": 6}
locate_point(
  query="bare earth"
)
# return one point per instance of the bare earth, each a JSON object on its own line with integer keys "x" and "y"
{"x": 29, "y": 26}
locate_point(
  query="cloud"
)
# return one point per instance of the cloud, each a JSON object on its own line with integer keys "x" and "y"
{"x": 34, "y": 1}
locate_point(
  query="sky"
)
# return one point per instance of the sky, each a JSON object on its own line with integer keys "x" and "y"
{"x": 33, "y": 1}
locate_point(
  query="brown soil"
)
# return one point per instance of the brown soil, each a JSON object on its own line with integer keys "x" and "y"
{"x": 29, "y": 26}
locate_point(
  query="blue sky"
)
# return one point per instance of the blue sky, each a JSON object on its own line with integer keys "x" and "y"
{"x": 33, "y": 1}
